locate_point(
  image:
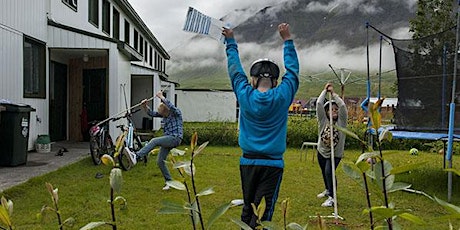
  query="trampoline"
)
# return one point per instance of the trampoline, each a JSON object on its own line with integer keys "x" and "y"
{"x": 414, "y": 135}
{"x": 426, "y": 70}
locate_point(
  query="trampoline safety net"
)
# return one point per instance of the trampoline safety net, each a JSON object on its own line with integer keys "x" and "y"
{"x": 424, "y": 69}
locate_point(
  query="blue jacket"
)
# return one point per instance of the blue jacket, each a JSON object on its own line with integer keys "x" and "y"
{"x": 263, "y": 115}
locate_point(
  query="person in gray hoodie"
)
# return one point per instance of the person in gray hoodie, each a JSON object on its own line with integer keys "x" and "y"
{"x": 339, "y": 118}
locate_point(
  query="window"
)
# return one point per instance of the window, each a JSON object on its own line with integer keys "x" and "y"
{"x": 116, "y": 24}
{"x": 136, "y": 40}
{"x": 71, "y": 3}
{"x": 126, "y": 32}
{"x": 93, "y": 12}
{"x": 106, "y": 16}
{"x": 141, "y": 45}
{"x": 34, "y": 68}
{"x": 146, "y": 51}
{"x": 150, "y": 55}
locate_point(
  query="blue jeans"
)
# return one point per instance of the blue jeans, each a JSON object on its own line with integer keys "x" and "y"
{"x": 166, "y": 143}
{"x": 326, "y": 169}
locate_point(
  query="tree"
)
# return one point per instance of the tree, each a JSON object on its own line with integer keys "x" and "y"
{"x": 432, "y": 16}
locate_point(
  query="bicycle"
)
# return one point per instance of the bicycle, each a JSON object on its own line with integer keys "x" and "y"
{"x": 127, "y": 138}
{"x": 100, "y": 142}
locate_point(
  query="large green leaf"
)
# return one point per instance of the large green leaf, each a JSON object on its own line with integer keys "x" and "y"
{"x": 218, "y": 213}
{"x": 406, "y": 168}
{"x": 93, "y": 225}
{"x": 349, "y": 133}
{"x": 202, "y": 146}
{"x": 448, "y": 206}
{"x": 8, "y": 205}
{"x": 240, "y": 223}
{"x": 195, "y": 213}
{"x": 177, "y": 152}
{"x": 172, "y": 207}
{"x": 181, "y": 164}
{"x": 397, "y": 186}
{"x": 69, "y": 222}
{"x": 353, "y": 172}
{"x": 412, "y": 218}
{"x": 385, "y": 135}
{"x": 260, "y": 210}
{"x": 206, "y": 191}
{"x": 296, "y": 226}
{"x": 4, "y": 217}
{"x": 367, "y": 155}
{"x": 380, "y": 212}
{"x": 269, "y": 225}
{"x": 389, "y": 179}
{"x": 176, "y": 184}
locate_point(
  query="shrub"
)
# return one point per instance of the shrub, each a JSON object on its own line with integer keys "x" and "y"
{"x": 300, "y": 129}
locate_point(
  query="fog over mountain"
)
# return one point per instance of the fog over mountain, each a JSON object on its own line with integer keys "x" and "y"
{"x": 325, "y": 32}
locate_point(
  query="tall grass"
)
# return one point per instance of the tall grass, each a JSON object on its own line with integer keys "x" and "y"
{"x": 83, "y": 196}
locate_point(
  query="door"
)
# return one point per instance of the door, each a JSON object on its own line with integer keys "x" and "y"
{"x": 94, "y": 97}
{"x": 58, "y": 102}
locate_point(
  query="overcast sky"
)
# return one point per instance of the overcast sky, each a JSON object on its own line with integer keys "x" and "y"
{"x": 165, "y": 18}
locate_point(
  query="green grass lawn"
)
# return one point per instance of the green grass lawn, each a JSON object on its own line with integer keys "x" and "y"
{"x": 84, "y": 197}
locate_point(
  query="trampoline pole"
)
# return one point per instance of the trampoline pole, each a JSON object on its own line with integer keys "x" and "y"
{"x": 380, "y": 68}
{"x": 368, "y": 91}
{"x": 452, "y": 110}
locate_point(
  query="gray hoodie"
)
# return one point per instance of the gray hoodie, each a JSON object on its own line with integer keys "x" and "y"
{"x": 324, "y": 147}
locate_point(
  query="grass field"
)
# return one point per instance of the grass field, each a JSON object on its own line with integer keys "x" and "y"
{"x": 84, "y": 197}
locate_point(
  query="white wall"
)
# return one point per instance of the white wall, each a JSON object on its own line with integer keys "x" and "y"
{"x": 19, "y": 18}
{"x": 203, "y": 106}
{"x": 25, "y": 16}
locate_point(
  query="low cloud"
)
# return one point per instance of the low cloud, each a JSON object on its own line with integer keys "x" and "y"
{"x": 209, "y": 53}
{"x": 349, "y": 6}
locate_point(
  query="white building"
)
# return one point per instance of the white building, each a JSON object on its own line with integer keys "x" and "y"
{"x": 59, "y": 55}
{"x": 207, "y": 105}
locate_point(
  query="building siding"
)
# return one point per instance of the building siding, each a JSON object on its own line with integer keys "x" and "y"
{"x": 67, "y": 32}
{"x": 203, "y": 106}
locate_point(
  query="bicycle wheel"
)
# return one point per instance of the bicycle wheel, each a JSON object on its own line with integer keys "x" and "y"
{"x": 109, "y": 147}
{"x": 125, "y": 163}
{"x": 95, "y": 150}
{"x": 123, "y": 160}
{"x": 137, "y": 146}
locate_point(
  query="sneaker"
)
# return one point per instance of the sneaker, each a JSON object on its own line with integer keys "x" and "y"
{"x": 132, "y": 157}
{"x": 322, "y": 194}
{"x": 166, "y": 187}
{"x": 328, "y": 203}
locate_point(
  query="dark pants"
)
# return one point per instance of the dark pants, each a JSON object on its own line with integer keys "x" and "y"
{"x": 326, "y": 169}
{"x": 258, "y": 182}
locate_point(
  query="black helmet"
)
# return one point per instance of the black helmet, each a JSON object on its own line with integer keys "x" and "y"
{"x": 265, "y": 68}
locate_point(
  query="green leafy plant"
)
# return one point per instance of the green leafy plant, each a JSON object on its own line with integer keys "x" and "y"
{"x": 187, "y": 171}
{"x": 69, "y": 222}
{"x": 116, "y": 180}
{"x": 6, "y": 210}
{"x": 372, "y": 165}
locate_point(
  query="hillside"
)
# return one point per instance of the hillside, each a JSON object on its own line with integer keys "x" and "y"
{"x": 325, "y": 32}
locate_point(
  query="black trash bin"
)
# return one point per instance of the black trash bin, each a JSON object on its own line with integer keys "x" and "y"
{"x": 14, "y": 133}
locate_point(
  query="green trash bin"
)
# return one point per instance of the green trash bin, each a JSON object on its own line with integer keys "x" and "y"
{"x": 14, "y": 133}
